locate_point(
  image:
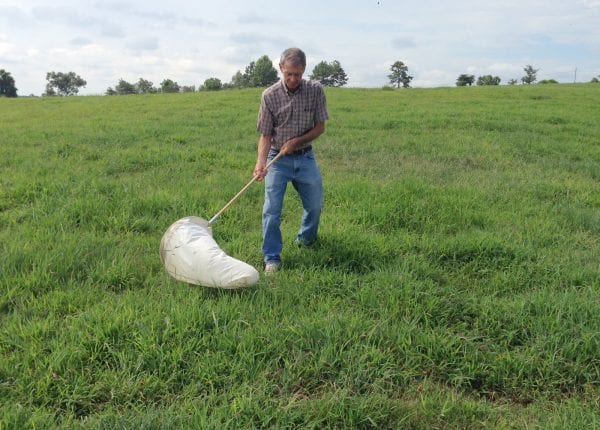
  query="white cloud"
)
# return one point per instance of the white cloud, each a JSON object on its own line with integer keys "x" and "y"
{"x": 143, "y": 44}
{"x": 12, "y": 15}
{"x": 81, "y": 41}
{"x": 169, "y": 19}
{"x": 590, "y": 3}
{"x": 191, "y": 41}
{"x": 6, "y": 48}
{"x": 404, "y": 42}
{"x": 252, "y": 18}
{"x": 433, "y": 77}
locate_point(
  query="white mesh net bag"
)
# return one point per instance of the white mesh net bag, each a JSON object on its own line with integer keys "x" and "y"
{"x": 190, "y": 254}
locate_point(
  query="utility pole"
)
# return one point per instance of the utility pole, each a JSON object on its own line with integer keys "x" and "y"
{"x": 575, "y": 79}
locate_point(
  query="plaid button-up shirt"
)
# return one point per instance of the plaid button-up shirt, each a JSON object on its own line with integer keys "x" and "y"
{"x": 284, "y": 115}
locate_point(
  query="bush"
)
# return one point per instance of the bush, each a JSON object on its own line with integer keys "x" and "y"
{"x": 488, "y": 80}
{"x": 212, "y": 84}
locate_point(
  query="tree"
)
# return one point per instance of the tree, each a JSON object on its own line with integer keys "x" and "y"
{"x": 513, "y": 82}
{"x": 238, "y": 80}
{"x": 257, "y": 74}
{"x": 212, "y": 84}
{"x": 124, "y": 88}
{"x": 7, "y": 84}
{"x": 322, "y": 72}
{"x": 49, "y": 91}
{"x": 464, "y": 80}
{"x": 248, "y": 73}
{"x": 169, "y": 86}
{"x": 488, "y": 80}
{"x": 548, "y": 81}
{"x": 595, "y": 80}
{"x": 188, "y": 89}
{"x": 63, "y": 84}
{"x": 330, "y": 74}
{"x": 400, "y": 75}
{"x": 144, "y": 86}
{"x": 530, "y": 75}
{"x": 263, "y": 73}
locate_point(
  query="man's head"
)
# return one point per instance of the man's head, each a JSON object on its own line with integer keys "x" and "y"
{"x": 292, "y": 65}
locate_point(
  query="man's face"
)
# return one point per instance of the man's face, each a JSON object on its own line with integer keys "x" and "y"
{"x": 292, "y": 75}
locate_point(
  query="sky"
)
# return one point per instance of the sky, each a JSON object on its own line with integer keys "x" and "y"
{"x": 191, "y": 41}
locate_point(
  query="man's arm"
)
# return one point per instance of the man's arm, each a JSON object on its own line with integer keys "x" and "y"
{"x": 264, "y": 145}
{"x": 293, "y": 144}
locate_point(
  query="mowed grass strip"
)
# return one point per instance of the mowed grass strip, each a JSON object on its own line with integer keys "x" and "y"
{"x": 455, "y": 284}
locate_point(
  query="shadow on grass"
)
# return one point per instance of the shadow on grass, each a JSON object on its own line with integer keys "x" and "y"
{"x": 216, "y": 293}
{"x": 347, "y": 254}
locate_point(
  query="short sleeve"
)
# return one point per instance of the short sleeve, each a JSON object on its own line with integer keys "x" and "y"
{"x": 321, "y": 114}
{"x": 265, "y": 118}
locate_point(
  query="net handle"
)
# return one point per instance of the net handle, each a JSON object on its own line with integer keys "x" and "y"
{"x": 242, "y": 191}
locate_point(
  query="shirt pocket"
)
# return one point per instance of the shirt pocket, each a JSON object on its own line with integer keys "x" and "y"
{"x": 282, "y": 116}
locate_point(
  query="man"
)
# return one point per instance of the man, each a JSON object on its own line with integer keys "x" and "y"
{"x": 292, "y": 115}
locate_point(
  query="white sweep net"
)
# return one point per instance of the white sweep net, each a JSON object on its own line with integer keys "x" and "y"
{"x": 190, "y": 254}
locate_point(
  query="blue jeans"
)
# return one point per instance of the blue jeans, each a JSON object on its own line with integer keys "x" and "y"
{"x": 302, "y": 171}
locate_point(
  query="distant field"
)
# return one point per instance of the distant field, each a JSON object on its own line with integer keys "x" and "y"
{"x": 456, "y": 283}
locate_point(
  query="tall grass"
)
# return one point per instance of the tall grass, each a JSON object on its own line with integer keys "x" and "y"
{"x": 455, "y": 283}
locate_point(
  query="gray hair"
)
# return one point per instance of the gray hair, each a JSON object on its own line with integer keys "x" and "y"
{"x": 294, "y": 56}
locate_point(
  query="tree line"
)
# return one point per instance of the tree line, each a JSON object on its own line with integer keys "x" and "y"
{"x": 259, "y": 73}
{"x": 529, "y": 78}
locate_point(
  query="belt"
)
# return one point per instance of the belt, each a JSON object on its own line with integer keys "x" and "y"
{"x": 300, "y": 151}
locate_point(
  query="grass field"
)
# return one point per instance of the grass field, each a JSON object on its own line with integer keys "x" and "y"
{"x": 456, "y": 281}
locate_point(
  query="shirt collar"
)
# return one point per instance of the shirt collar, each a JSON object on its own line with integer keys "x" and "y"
{"x": 288, "y": 92}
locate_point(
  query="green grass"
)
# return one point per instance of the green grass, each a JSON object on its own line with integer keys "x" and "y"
{"x": 455, "y": 284}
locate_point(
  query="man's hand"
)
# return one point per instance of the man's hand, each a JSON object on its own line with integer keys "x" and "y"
{"x": 260, "y": 170}
{"x": 264, "y": 145}
{"x": 290, "y": 146}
